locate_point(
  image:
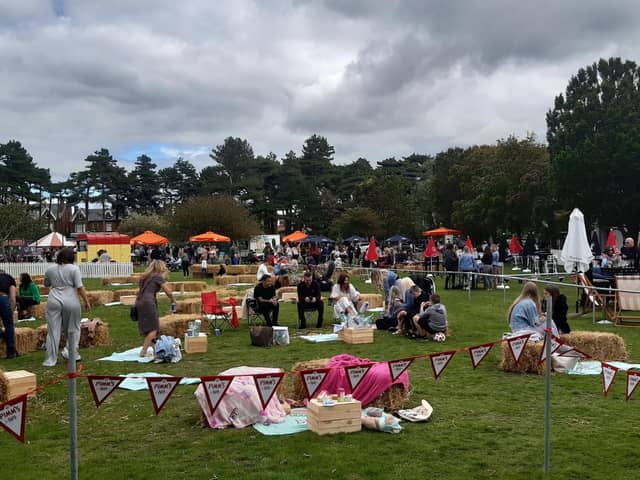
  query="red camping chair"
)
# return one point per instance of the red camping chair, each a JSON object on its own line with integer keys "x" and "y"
{"x": 219, "y": 317}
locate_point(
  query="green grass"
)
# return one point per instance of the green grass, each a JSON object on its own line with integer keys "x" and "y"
{"x": 486, "y": 423}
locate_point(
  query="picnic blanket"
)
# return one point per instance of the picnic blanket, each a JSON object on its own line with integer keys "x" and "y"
{"x": 322, "y": 337}
{"x": 140, "y": 383}
{"x": 295, "y": 422}
{"x": 594, "y": 367}
{"x": 132, "y": 355}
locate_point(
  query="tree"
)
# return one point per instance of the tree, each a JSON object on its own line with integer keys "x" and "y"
{"x": 16, "y": 222}
{"x": 19, "y": 174}
{"x": 137, "y": 223}
{"x": 357, "y": 221}
{"x": 593, "y": 132}
{"x": 179, "y": 182}
{"x": 144, "y": 185}
{"x": 235, "y": 161}
{"x": 445, "y": 187}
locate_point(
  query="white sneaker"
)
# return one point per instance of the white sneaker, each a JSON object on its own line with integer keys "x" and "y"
{"x": 65, "y": 354}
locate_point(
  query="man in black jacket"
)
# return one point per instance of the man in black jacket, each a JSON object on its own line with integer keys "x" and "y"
{"x": 309, "y": 298}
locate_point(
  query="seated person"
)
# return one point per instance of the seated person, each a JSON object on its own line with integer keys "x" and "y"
{"x": 262, "y": 270}
{"x": 559, "y": 307}
{"x": 629, "y": 253}
{"x": 309, "y": 298}
{"x": 266, "y": 300}
{"x": 431, "y": 319}
{"x": 345, "y": 297}
{"x": 389, "y": 279}
{"x": 28, "y": 295}
{"x": 325, "y": 280}
{"x": 415, "y": 297}
{"x": 524, "y": 314}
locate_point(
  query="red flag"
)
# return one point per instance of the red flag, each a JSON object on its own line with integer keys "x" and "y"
{"x": 372, "y": 251}
{"x": 611, "y": 241}
{"x": 516, "y": 345}
{"x": 235, "y": 323}
{"x": 430, "y": 250}
{"x": 161, "y": 388}
{"x": 102, "y": 386}
{"x": 469, "y": 244}
{"x": 515, "y": 247}
{"x": 556, "y": 343}
{"x": 214, "y": 389}
{"x": 13, "y": 415}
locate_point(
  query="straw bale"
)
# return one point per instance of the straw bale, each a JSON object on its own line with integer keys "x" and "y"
{"x": 227, "y": 279}
{"x": 37, "y": 278}
{"x": 100, "y": 297}
{"x": 176, "y": 325}
{"x": 251, "y": 269}
{"x": 194, "y": 286}
{"x": 38, "y": 311}
{"x": 175, "y": 286}
{"x": 601, "y": 346}
{"x": 43, "y": 290}
{"x": 236, "y": 269}
{"x": 392, "y": 399}
{"x": 123, "y": 292}
{"x": 282, "y": 290}
{"x": 298, "y": 391}
{"x": 375, "y": 300}
{"x": 529, "y": 361}
{"x": 247, "y": 278}
{"x": 4, "y": 387}
{"x": 189, "y": 305}
{"x": 110, "y": 280}
{"x": 41, "y": 337}
{"x": 25, "y": 341}
{"x": 100, "y": 335}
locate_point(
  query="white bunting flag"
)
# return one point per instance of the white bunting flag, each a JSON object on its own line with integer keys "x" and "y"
{"x": 633, "y": 378}
{"x": 214, "y": 389}
{"x": 573, "y": 352}
{"x": 608, "y": 376}
{"x": 555, "y": 345}
{"x": 267, "y": 384}
{"x": 102, "y": 386}
{"x": 397, "y": 367}
{"x": 439, "y": 361}
{"x": 312, "y": 380}
{"x": 516, "y": 345}
{"x": 356, "y": 373}
{"x": 13, "y": 415}
{"x": 479, "y": 353}
{"x": 161, "y": 389}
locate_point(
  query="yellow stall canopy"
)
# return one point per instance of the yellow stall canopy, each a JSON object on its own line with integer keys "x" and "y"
{"x": 117, "y": 245}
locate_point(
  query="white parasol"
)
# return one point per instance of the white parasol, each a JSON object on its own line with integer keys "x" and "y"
{"x": 576, "y": 251}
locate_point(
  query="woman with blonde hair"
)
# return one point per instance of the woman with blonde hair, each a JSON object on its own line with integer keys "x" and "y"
{"x": 153, "y": 280}
{"x": 524, "y": 312}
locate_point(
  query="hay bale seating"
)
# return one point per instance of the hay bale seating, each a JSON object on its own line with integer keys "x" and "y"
{"x": 252, "y": 269}
{"x": 100, "y": 297}
{"x": 99, "y": 336}
{"x": 194, "y": 286}
{"x": 110, "y": 280}
{"x": 529, "y": 360}
{"x": 247, "y": 278}
{"x": 375, "y": 300}
{"x": 189, "y": 305}
{"x": 134, "y": 278}
{"x": 601, "y": 346}
{"x": 228, "y": 279}
{"x": 176, "y": 325}
{"x": 26, "y": 341}
{"x": 124, "y": 292}
{"x": 38, "y": 311}
{"x": 236, "y": 269}
{"x": 392, "y": 399}
{"x": 282, "y": 290}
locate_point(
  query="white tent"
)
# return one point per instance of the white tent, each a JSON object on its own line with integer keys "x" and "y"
{"x": 576, "y": 252}
{"x": 53, "y": 240}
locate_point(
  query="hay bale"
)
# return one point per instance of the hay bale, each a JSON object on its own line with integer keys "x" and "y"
{"x": 176, "y": 324}
{"x": 124, "y": 292}
{"x": 134, "y": 278}
{"x": 194, "y": 286}
{"x": 100, "y": 297}
{"x": 228, "y": 279}
{"x": 375, "y": 300}
{"x": 282, "y": 290}
{"x": 96, "y": 335}
{"x": 601, "y": 346}
{"x": 41, "y": 337}
{"x": 110, "y": 280}
{"x": 298, "y": 391}
{"x": 189, "y": 305}
{"x": 26, "y": 341}
{"x": 236, "y": 269}
{"x": 37, "y": 278}
{"x": 44, "y": 290}
{"x": 529, "y": 360}
{"x": 247, "y": 278}
{"x": 38, "y": 311}
{"x": 4, "y": 387}
{"x": 253, "y": 269}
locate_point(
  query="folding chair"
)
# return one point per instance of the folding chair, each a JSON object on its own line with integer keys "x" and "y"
{"x": 253, "y": 314}
{"x": 593, "y": 298}
{"x": 627, "y": 301}
{"x": 214, "y": 311}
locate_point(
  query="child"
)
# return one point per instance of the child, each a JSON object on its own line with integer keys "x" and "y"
{"x": 203, "y": 267}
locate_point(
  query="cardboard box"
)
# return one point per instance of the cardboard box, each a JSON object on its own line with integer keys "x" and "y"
{"x": 19, "y": 382}
{"x": 343, "y": 417}
{"x": 356, "y": 335}
{"x": 195, "y": 344}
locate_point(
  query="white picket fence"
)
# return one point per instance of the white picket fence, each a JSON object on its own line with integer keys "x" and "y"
{"x": 89, "y": 270}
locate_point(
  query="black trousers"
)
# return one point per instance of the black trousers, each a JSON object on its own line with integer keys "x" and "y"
{"x": 306, "y": 307}
{"x": 270, "y": 313}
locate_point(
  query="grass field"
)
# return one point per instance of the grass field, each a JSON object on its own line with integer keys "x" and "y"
{"x": 486, "y": 423}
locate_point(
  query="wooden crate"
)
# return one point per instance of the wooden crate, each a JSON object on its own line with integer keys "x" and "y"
{"x": 195, "y": 344}
{"x": 19, "y": 382}
{"x": 341, "y": 417}
{"x": 356, "y": 335}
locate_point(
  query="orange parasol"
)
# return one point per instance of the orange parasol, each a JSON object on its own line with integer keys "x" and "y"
{"x": 149, "y": 238}
{"x": 372, "y": 251}
{"x": 295, "y": 236}
{"x": 210, "y": 237}
{"x": 441, "y": 232}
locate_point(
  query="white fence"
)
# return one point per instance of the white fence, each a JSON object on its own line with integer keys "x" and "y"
{"x": 89, "y": 270}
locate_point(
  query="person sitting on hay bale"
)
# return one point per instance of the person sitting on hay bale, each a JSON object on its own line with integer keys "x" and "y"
{"x": 415, "y": 297}
{"x": 431, "y": 320}
{"x": 560, "y": 307}
{"x": 345, "y": 297}
{"x": 28, "y": 295}
{"x": 524, "y": 314}
{"x": 309, "y": 299}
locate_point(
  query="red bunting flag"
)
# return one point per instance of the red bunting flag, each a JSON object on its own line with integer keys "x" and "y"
{"x": 633, "y": 378}
{"x": 516, "y": 345}
{"x": 479, "y": 353}
{"x": 161, "y": 388}
{"x": 555, "y": 345}
{"x": 267, "y": 384}
{"x": 312, "y": 379}
{"x": 102, "y": 386}
{"x": 13, "y": 415}
{"x": 397, "y": 367}
{"x": 573, "y": 352}
{"x": 214, "y": 389}
{"x": 356, "y": 373}
{"x": 608, "y": 376}
{"x": 439, "y": 361}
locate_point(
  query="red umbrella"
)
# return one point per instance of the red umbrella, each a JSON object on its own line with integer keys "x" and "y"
{"x": 611, "y": 241}
{"x": 515, "y": 247}
{"x": 430, "y": 250}
{"x": 469, "y": 244}
{"x": 372, "y": 251}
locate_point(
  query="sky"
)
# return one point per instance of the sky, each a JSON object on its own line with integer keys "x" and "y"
{"x": 377, "y": 78}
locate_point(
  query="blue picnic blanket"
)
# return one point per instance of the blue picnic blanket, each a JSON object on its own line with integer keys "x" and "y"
{"x": 594, "y": 367}
{"x": 295, "y": 422}
{"x": 132, "y": 355}
{"x": 322, "y": 337}
{"x": 141, "y": 384}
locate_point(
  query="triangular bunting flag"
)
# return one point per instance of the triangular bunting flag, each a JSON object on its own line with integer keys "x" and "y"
{"x": 439, "y": 361}
{"x": 161, "y": 389}
{"x": 356, "y": 373}
{"x": 555, "y": 345}
{"x": 13, "y": 415}
{"x": 267, "y": 384}
{"x": 608, "y": 376}
{"x": 397, "y": 367}
{"x": 214, "y": 389}
{"x": 516, "y": 345}
{"x": 479, "y": 353}
{"x": 312, "y": 379}
{"x": 633, "y": 378}
{"x": 573, "y": 352}
{"x": 102, "y": 386}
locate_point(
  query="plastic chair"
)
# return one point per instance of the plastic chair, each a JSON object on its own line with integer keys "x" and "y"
{"x": 213, "y": 310}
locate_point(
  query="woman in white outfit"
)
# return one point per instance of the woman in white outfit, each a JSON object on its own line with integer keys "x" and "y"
{"x": 63, "y": 308}
{"x": 345, "y": 297}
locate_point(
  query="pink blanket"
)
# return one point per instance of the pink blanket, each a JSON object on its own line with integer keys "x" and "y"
{"x": 374, "y": 383}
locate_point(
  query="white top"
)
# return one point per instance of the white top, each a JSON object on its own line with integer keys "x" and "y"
{"x": 262, "y": 270}
{"x": 351, "y": 295}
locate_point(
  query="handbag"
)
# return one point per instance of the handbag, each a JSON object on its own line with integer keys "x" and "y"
{"x": 133, "y": 313}
{"x": 261, "y": 336}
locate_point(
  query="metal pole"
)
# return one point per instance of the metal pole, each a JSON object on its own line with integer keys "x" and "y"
{"x": 547, "y": 407}
{"x": 73, "y": 410}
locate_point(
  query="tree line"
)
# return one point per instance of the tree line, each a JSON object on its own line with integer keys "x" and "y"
{"x": 516, "y": 185}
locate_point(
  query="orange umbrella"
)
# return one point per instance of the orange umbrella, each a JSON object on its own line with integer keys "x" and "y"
{"x": 372, "y": 251}
{"x": 149, "y": 238}
{"x": 441, "y": 232}
{"x": 611, "y": 241}
{"x": 469, "y": 244}
{"x": 295, "y": 236}
{"x": 209, "y": 237}
{"x": 515, "y": 247}
{"x": 431, "y": 250}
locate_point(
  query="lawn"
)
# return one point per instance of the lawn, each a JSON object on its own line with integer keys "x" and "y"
{"x": 486, "y": 423}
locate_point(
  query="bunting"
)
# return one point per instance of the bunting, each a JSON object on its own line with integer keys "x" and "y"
{"x": 267, "y": 384}
{"x": 516, "y": 346}
{"x": 479, "y": 353}
{"x": 356, "y": 373}
{"x": 312, "y": 379}
{"x": 13, "y": 416}
{"x": 439, "y": 361}
{"x": 161, "y": 389}
{"x": 608, "y": 376}
{"x": 102, "y": 386}
{"x": 632, "y": 382}
{"x": 397, "y": 367}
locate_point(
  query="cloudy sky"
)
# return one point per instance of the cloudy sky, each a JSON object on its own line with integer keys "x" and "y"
{"x": 378, "y": 78}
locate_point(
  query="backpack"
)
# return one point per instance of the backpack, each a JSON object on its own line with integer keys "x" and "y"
{"x": 425, "y": 283}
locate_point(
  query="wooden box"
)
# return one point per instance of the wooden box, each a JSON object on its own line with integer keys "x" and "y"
{"x": 19, "y": 382}
{"x": 341, "y": 417}
{"x": 356, "y": 335}
{"x": 195, "y": 344}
